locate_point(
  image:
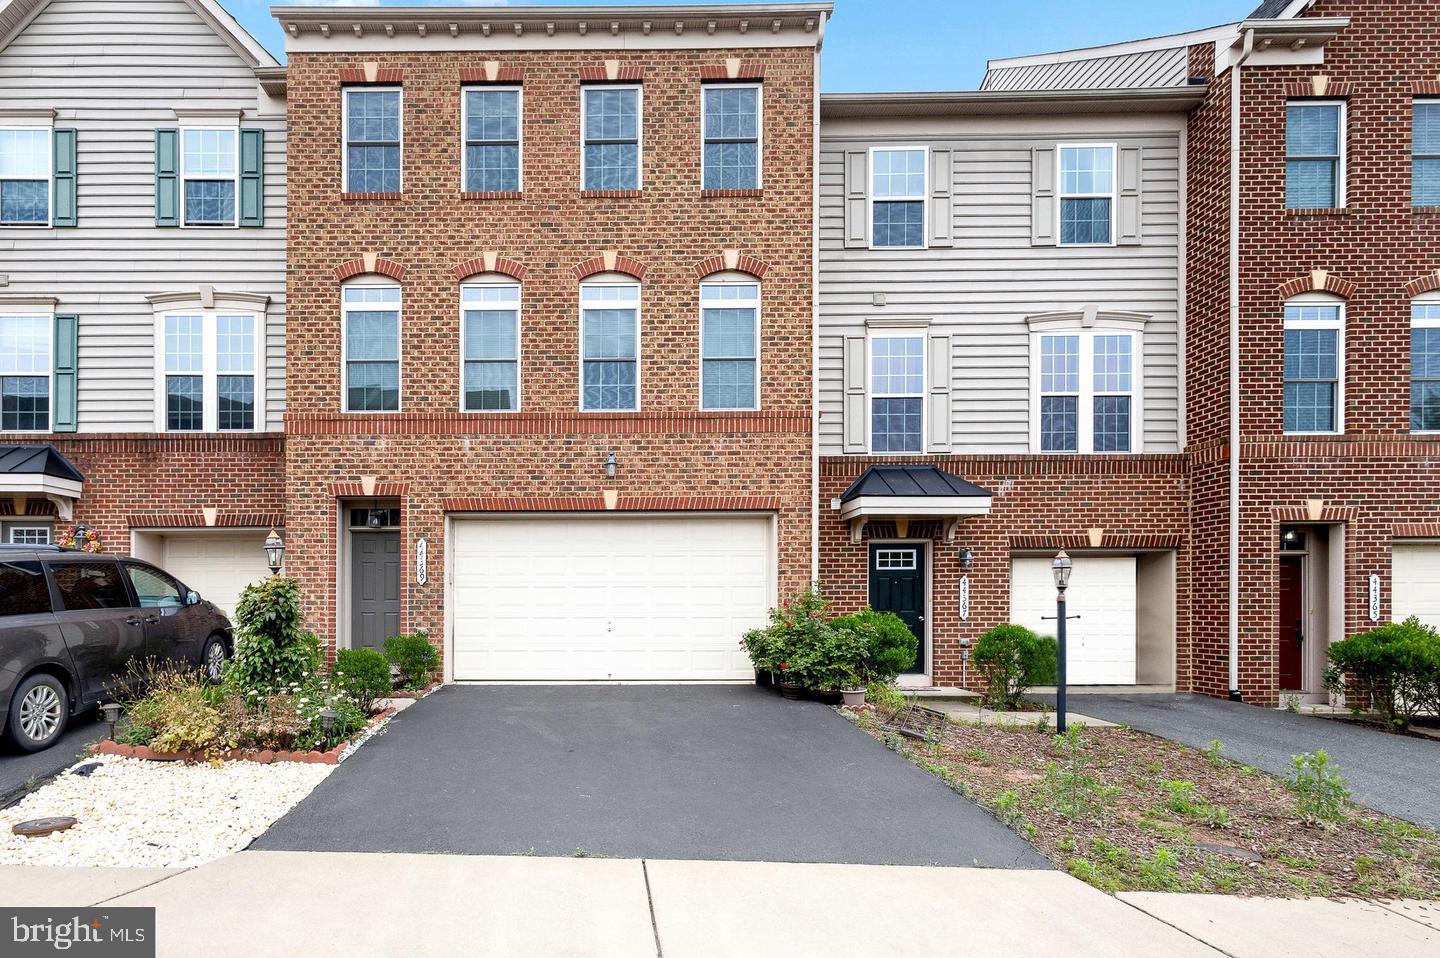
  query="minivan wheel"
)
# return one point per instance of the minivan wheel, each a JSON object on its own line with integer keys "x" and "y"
{"x": 214, "y": 658}
{"x": 38, "y": 713}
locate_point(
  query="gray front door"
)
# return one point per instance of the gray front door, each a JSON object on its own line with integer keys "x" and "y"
{"x": 374, "y": 588}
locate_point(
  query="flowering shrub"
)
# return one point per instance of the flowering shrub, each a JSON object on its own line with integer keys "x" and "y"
{"x": 803, "y": 646}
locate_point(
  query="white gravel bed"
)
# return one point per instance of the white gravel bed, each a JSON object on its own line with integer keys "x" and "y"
{"x": 136, "y": 813}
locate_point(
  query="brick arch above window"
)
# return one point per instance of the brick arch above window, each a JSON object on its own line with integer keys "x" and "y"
{"x": 491, "y": 263}
{"x": 610, "y": 262}
{"x": 731, "y": 260}
{"x": 370, "y": 263}
{"x": 1318, "y": 281}
{"x": 1420, "y": 285}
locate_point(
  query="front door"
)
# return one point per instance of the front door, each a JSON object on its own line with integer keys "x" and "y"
{"x": 1292, "y": 621}
{"x": 374, "y": 588}
{"x": 897, "y": 584}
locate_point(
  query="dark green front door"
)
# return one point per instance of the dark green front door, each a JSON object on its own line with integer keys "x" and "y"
{"x": 374, "y": 588}
{"x": 897, "y": 584}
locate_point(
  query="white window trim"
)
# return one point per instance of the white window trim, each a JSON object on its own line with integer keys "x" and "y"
{"x": 209, "y": 365}
{"x": 611, "y": 279}
{"x": 399, "y": 310}
{"x": 345, "y": 133}
{"x": 47, "y": 312}
{"x": 494, "y": 281}
{"x": 1418, "y": 102}
{"x": 871, "y": 395}
{"x": 923, "y": 198}
{"x": 465, "y": 91}
{"x": 1342, "y": 144}
{"x": 1319, "y": 299}
{"x": 639, "y": 129}
{"x": 29, "y": 527}
{"x": 731, "y": 279}
{"x": 185, "y": 223}
{"x": 759, "y": 89}
{"x": 1087, "y": 325}
{"x": 47, "y": 124}
{"x": 1060, "y": 195}
{"x": 1424, "y": 299}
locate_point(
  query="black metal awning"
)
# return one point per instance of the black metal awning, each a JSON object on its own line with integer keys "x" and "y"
{"x": 41, "y": 472}
{"x": 914, "y": 491}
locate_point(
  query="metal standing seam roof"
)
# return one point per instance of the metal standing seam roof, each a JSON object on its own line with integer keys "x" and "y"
{"x": 910, "y": 481}
{"x": 1144, "y": 70}
{"x": 1269, "y": 10}
{"x": 37, "y": 461}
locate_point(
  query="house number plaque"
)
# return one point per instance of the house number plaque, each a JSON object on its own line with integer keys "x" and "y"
{"x": 964, "y": 598}
{"x": 422, "y": 562}
{"x": 1374, "y": 598}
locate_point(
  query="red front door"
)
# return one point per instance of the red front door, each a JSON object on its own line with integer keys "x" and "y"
{"x": 1292, "y": 621}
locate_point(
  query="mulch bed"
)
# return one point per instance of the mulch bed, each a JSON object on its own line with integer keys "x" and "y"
{"x": 264, "y": 756}
{"x": 1236, "y": 833}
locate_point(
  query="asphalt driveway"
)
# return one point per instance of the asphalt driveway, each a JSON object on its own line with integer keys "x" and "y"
{"x": 687, "y": 772}
{"x": 1395, "y": 774}
{"x": 18, "y": 768}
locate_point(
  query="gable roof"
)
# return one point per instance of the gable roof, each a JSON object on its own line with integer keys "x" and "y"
{"x": 15, "y": 16}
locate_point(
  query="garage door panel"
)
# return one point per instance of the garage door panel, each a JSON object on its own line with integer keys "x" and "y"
{"x": 635, "y": 598}
{"x": 1415, "y": 578}
{"x": 218, "y": 566}
{"x": 1101, "y": 643}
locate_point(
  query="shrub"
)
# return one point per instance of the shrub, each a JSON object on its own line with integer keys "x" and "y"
{"x": 364, "y": 674}
{"x": 889, "y": 645}
{"x": 1320, "y": 790}
{"x": 1396, "y": 665}
{"x": 177, "y": 713}
{"x": 274, "y": 654}
{"x": 801, "y": 645}
{"x": 1012, "y": 659}
{"x": 415, "y": 657}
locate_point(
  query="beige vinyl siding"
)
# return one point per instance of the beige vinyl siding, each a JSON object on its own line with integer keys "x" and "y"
{"x": 980, "y": 292}
{"x": 116, "y": 70}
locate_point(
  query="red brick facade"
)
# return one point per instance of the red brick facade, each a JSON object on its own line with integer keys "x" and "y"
{"x": 436, "y": 460}
{"x": 1376, "y": 479}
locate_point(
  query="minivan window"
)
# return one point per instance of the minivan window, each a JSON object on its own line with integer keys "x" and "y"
{"x": 22, "y": 589}
{"x": 153, "y": 588}
{"x": 89, "y": 585}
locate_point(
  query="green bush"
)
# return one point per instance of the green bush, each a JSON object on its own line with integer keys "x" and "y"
{"x": 889, "y": 645}
{"x": 1011, "y": 659}
{"x": 1397, "y": 666}
{"x": 1320, "y": 790}
{"x": 177, "y": 713}
{"x": 364, "y": 674}
{"x": 415, "y": 657}
{"x": 802, "y": 645}
{"x": 274, "y": 653}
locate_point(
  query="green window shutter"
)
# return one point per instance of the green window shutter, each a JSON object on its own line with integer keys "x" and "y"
{"x": 252, "y": 177}
{"x": 67, "y": 361}
{"x": 167, "y": 177}
{"x": 63, "y": 208}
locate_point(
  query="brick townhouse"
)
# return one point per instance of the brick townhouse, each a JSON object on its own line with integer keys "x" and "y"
{"x": 549, "y": 351}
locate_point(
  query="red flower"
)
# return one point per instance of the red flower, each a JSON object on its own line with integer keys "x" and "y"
{"x": 784, "y": 665}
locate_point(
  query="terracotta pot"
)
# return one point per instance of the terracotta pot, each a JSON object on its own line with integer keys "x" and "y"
{"x": 792, "y": 690}
{"x": 853, "y": 698}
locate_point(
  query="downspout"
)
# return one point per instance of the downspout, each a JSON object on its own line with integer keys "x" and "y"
{"x": 1234, "y": 364}
{"x": 815, "y": 315}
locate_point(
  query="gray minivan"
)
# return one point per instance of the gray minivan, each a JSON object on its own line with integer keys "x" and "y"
{"x": 71, "y": 622}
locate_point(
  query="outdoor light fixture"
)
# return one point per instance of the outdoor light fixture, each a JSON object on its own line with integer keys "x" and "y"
{"x": 110, "y": 711}
{"x": 967, "y": 557}
{"x": 327, "y": 720}
{"x": 610, "y": 465}
{"x": 1060, "y": 569}
{"x": 274, "y": 551}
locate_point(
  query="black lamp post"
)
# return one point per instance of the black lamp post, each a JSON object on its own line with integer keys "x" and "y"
{"x": 274, "y": 551}
{"x": 1060, "y": 568}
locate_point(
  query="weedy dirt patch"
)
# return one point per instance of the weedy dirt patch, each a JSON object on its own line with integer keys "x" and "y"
{"x": 1126, "y": 811}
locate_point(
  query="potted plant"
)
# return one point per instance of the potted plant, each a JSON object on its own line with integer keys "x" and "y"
{"x": 787, "y": 646}
{"x": 886, "y": 648}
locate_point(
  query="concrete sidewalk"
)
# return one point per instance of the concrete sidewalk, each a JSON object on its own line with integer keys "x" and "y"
{"x": 357, "y": 904}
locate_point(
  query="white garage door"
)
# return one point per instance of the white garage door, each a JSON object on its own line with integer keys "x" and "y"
{"x": 1415, "y": 577}
{"x": 218, "y": 566}
{"x": 613, "y": 598}
{"x": 1101, "y": 643}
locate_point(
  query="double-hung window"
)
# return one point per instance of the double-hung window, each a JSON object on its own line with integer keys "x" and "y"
{"x": 1085, "y": 391}
{"x": 731, "y": 121}
{"x": 25, "y": 367}
{"x": 729, "y": 345}
{"x": 490, "y": 317}
{"x": 372, "y": 347}
{"x": 1425, "y": 153}
{"x": 610, "y": 345}
{"x": 492, "y": 139}
{"x": 610, "y": 133}
{"x": 1087, "y": 195}
{"x": 1425, "y": 366}
{"x": 1315, "y": 155}
{"x": 1314, "y": 366}
{"x": 210, "y": 372}
{"x": 25, "y": 159}
{"x": 897, "y": 198}
{"x": 210, "y": 173}
{"x": 373, "y": 138}
{"x": 897, "y": 392}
